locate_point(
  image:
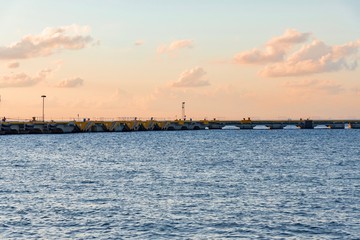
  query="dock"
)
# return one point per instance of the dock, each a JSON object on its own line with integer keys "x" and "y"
{"x": 52, "y": 127}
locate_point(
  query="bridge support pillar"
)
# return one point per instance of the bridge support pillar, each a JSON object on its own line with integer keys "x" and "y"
{"x": 307, "y": 124}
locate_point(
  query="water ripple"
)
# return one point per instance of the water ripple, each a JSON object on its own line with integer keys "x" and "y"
{"x": 181, "y": 185}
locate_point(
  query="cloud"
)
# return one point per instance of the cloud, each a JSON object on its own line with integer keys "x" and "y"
{"x": 71, "y": 83}
{"x": 139, "y": 43}
{"x": 49, "y": 41}
{"x": 175, "y": 46}
{"x": 192, "y": 78}
{"x": 315, "y": 85}
{"x": 275, "y": 49}
{"x": 119, "y": 93}
{"x": 310, "y": 58}
{"x": 316, "y": 57}
{"x": 356, "y": 91}
{"x": 23, "y": 80}
{"x": 13, "y": 65}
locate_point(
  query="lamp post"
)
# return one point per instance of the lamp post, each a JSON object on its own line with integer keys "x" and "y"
{"x": 43, "y": 107}
{"x": 183, "y": 111}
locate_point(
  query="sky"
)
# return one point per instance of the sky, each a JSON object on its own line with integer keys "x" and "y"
{"x": 228, "y": 59}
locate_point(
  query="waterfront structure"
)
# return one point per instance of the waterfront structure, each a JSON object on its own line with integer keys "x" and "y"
{"x": 33, "y": 127}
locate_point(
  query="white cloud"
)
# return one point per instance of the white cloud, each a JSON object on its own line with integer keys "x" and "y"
{"x": 192, "y": 78}
{"x": 48, "y": 42}
{"x": 175, "y": 46}
{"x": 23, "y": 80}
{"x": 71, "y": 83}
{"x": 13, "y": 65}
{"x": 310, "y": 58}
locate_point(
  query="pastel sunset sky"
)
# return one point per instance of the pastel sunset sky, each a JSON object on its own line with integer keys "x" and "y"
{"x": 226, "y": 59}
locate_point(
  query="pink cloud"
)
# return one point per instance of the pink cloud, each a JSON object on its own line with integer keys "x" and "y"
{"x": 139, "y": 43}
{"x": 192, "y": 78}
{"x": 356, "y": 91}
{"x": 71, "y": 83}
{"x": 175, "y": 46}
{"x": 48, "y": 42}
{"x": 275, "y": 49}
{"x": 23, "y": 80}
{"x": 13, "y": 65}
{"x": 315, "y": 57}
{"x": 328, "y": 86}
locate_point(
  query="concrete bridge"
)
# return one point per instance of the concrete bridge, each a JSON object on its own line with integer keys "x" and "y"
{"x": 37, "y": 127}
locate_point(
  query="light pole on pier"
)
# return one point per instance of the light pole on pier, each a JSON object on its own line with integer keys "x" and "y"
{"x": 183, "y": 111}
{"x": 43, "y": 107}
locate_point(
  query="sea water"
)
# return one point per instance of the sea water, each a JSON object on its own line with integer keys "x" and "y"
{"x": 211, "y": 184}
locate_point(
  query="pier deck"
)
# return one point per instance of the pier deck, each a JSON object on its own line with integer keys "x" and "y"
{"x": 37, "y": 127}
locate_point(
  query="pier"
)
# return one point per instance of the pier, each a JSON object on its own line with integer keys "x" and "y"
{"x": 40, "y": 127}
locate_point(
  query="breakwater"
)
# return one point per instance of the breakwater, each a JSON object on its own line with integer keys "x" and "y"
{"x": 37, "y": 127}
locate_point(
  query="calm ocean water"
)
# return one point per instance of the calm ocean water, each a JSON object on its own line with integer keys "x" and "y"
{"x": 281, "y": 184}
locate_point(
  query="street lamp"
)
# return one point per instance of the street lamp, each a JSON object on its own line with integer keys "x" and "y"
{"x": 183, "y": 111}
{"x": 43, "y": 97}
